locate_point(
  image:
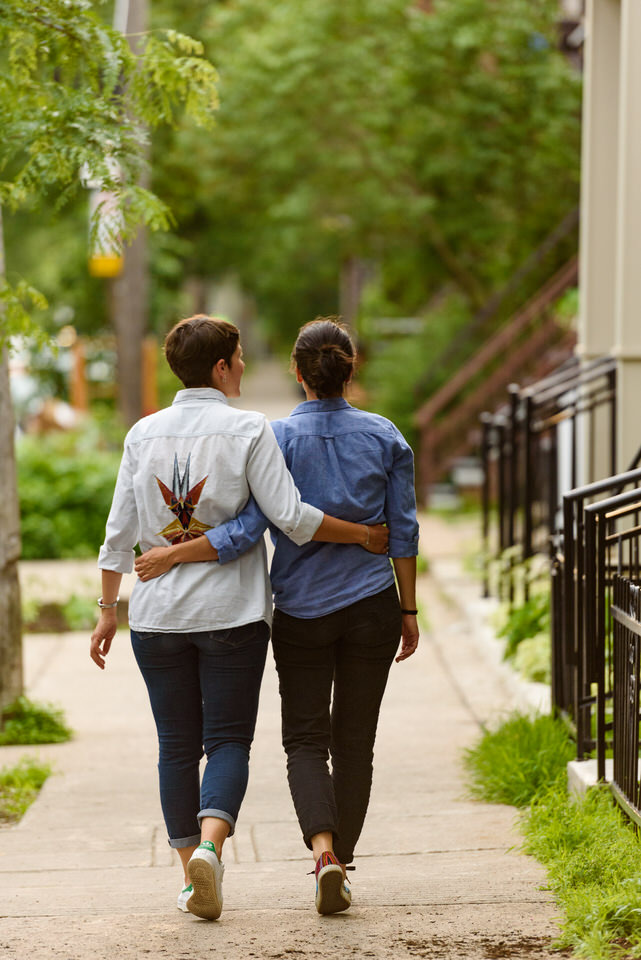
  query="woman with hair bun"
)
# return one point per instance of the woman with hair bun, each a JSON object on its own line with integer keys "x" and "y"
{"x": 337, "y": 620}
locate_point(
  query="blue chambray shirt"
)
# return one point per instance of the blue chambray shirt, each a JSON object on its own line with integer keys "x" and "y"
{"x": 350, "y": 464}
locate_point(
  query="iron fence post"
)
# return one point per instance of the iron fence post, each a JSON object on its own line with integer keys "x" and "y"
{"x": 513, "y": 390}
{"x": 499, "y": 427}
{"x": 612, "y": 385}
{"x": 486, "y": 421}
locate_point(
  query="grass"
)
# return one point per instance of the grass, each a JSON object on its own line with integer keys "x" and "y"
{"x": 593, "y": 858}
{"x": 591, "y": 852}
{"x": 513, "y": 764}
{"x": 19, "y": 787}
{"x": 25, "y": 721}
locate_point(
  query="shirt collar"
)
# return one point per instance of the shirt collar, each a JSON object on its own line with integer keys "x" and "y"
{"x": 320, "y": 406}
{"x": 199, "y": 393}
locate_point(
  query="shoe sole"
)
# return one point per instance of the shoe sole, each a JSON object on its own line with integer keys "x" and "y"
{"x": 204, "y": 901}
{"x": 331, "y": 896}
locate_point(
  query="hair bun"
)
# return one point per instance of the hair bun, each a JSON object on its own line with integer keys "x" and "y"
{"x": 324, "y": 354}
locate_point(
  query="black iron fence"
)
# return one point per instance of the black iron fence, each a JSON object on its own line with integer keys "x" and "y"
{"x": 626, "y": 616}
{"x": 598, "y": 540}
{"x": 532, "y": 449}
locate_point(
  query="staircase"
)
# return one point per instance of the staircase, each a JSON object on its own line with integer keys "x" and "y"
{"x": 528, "y": 347}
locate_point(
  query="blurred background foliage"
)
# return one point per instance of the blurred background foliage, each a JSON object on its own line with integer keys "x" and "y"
{"x": 66, "y": 483}
{"x": 434, "y": 143}
{"x": 440, "y": 146}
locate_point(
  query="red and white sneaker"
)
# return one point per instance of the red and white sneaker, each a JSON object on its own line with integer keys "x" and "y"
{"x": 332, "y": 892}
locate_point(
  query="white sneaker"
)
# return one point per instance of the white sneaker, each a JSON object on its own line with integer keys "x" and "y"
{"x": 183, "y": 897}
{"x": 206, "y": 874}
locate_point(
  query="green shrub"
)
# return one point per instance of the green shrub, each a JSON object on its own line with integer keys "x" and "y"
{"x": 528, "y": 620}
{"x": 66, "y": 483}
{"x": 19, "y": 787}
{"x": 515, "y": 762}
{"x": 533, "y": 658}
{"x": 79, "y": 612}
{"x": 24, "y": 721}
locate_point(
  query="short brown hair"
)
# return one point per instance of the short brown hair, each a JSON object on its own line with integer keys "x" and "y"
{"x": 195, "y": 345}
{"x": 325, "y": 355}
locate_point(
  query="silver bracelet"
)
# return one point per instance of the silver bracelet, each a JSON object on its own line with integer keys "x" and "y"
{"x": 367, "y": 541}
{"x": 107, "y": 606}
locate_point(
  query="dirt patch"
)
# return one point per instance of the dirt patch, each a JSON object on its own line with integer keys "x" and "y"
{"x": 480, "y": 948}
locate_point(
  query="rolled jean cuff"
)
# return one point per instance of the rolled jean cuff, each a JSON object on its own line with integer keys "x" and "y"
{"x": 221, "y": 815}
{"x": 323, "y": 828}
{"x": 185, "y": 842}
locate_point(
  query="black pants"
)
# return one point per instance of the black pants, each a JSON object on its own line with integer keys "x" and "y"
{"x": 351, "y": 650}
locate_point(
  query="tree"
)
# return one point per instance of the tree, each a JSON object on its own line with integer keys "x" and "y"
{"x": 441, "y": 143}
{"x": 440, "y": 146}
{"x": 74, "y": 96}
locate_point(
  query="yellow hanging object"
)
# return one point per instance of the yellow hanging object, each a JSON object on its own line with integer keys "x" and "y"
{"x": 105, "y": 265}
{"x": 106, "y": 221}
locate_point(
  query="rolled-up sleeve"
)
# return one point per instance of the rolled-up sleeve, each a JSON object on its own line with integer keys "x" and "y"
{"x": 400, "y": 502}
{"x": 123, "y": 527}
{"x": 275, "y": 491}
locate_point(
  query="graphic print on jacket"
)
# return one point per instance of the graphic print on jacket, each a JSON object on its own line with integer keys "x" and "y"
{"x": 182, "y": 501}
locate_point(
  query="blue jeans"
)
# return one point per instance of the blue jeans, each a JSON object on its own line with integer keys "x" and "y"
{"x": 204, "y": 690}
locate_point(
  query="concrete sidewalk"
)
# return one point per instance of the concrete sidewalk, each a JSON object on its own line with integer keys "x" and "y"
{"x": 88, "y": 875}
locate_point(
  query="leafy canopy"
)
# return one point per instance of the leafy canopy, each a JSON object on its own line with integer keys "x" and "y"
{"x": 442, "y": 145}
{"x": 76, "y": 101}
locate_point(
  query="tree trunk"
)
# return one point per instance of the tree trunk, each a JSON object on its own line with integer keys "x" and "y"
{"x": 129, "y": 294}
{"x": 11, "y": 682}
{"x": 128, "y": 308}
{"x": 354, "y": 272}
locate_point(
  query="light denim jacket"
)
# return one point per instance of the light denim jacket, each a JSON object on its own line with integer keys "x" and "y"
{"x": 185, "y": 470}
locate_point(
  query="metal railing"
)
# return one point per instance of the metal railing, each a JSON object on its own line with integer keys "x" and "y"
{"x": 531, "y": 344}
{"x": 552, "y": 251}
{"x": 533, "y": 448}
{"x": 626, "y": 615}
{"x": 595, "y": 542}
